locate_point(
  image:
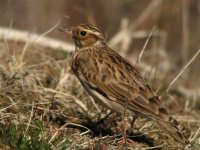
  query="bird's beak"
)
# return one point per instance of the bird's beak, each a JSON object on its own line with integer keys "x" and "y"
{"x": 67, "y": 30}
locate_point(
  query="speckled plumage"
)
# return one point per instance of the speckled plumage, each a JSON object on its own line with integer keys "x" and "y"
{"x": 113, "y": 81}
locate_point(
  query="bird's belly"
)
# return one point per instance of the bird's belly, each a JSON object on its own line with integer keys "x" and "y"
{"x": 110, "y": 104}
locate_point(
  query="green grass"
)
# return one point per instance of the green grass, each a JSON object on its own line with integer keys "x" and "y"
{"x": 16, "y": 137}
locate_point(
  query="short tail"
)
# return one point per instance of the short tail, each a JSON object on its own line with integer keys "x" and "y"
{"x": 174, "y": 129}
{"x": 167, "y": 122}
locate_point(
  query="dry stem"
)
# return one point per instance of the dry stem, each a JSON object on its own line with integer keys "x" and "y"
{"x": 184, "y": 68}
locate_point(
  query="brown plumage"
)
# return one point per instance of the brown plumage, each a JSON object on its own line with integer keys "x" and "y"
{"x": 113, "y": 81}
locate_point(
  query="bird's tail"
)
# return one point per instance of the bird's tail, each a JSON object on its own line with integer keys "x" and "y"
{"x": 174, "y": 129}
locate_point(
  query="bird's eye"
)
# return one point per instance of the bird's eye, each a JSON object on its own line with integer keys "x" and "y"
{"x": 83, "y": 33}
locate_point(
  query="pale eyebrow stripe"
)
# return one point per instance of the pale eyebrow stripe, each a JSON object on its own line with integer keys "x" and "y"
{"x": 93, "y": 28}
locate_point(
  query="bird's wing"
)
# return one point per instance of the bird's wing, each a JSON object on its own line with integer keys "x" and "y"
{"x": 115, "y": 78}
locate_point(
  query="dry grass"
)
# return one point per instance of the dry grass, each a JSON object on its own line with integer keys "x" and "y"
{"x": 43, "y": 106}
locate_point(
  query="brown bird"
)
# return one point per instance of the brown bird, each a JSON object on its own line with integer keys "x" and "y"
{"x": 113, "y": 81}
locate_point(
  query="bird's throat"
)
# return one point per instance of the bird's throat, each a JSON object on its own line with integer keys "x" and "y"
{"x": 77, "y": 43}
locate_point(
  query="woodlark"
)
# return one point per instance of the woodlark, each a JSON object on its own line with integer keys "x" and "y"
{"x": 113, "y": 81}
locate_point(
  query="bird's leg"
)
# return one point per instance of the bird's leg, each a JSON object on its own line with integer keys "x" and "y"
{"x": 99, "y": 114}
{"x": 105, "y": 117}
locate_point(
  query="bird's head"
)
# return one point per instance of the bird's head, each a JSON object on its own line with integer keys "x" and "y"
{"x": 85, "y": 35}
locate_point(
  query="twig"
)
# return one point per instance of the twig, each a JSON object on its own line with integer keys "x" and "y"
{"x": 3, "y": 109}
{"x": 29, "y": 122}
{"x": 145, "y": 44}
{"x": 161, "y": 84}
{"x": 77, "y": 101}
{"x": 195, "y": 135}
{"x": 185, "y": 30}
{"x": 78, "y": 125}
{"x": 65, "y": 125}
{"x": 154, "y": 147}
{"x": 146, "y": 125}
{"x": 188, "y": 120}
{"x": 29, "y": 42}
{"x": 184, "y": 68}
{"x": 10, "y": 98}
{"x": 42, "y": 63}
{"x": 19, "y": 35}
{"x": 55, "y": 134}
